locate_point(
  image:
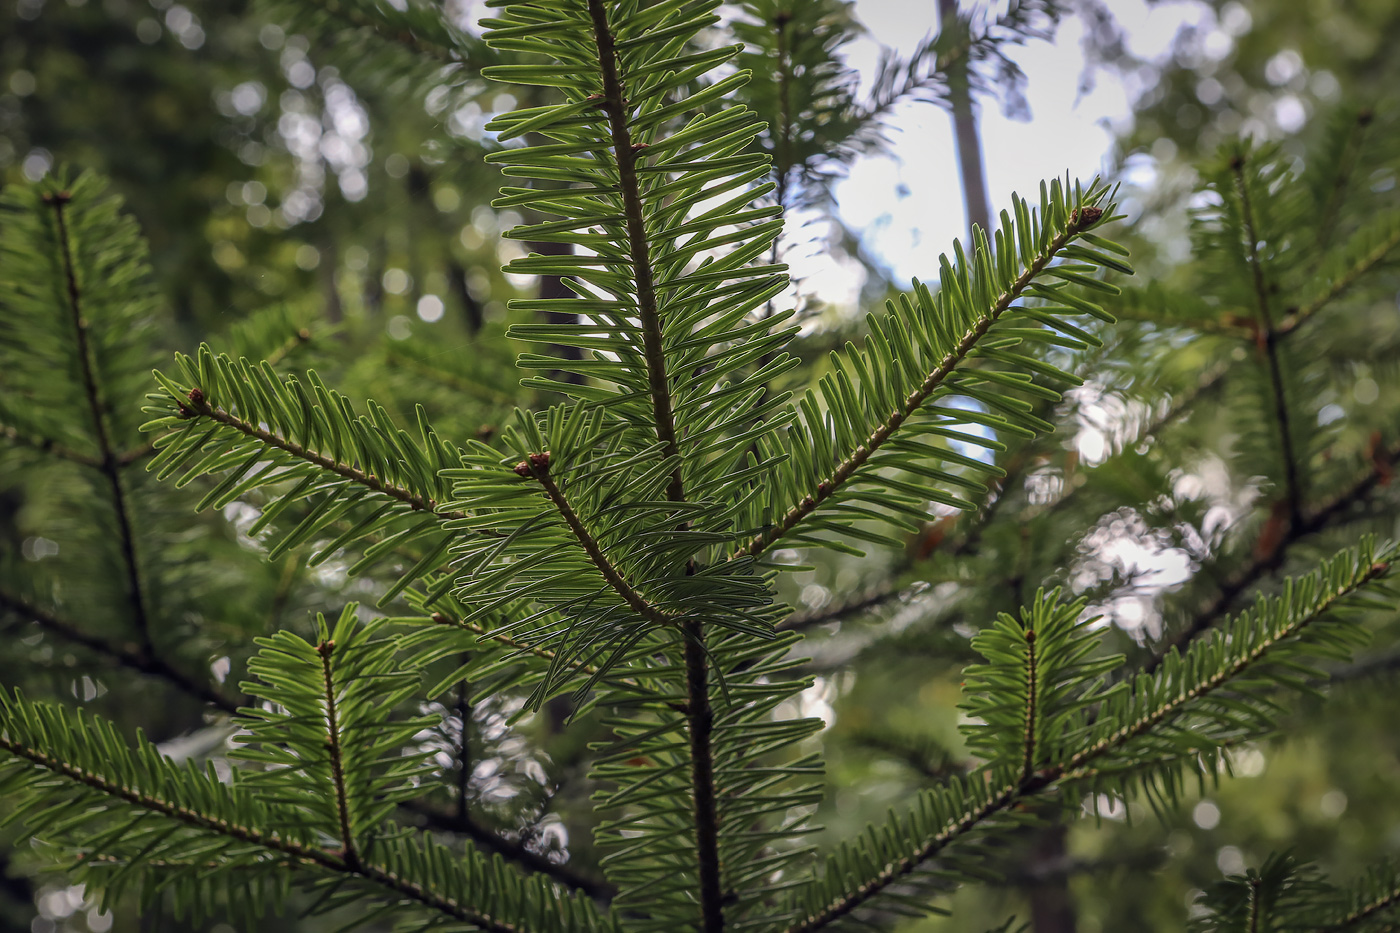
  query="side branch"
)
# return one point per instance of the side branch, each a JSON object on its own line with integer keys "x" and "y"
{"x": 199, "y": 406}
{"x": 349, "y": 851}
{"x": 1084, "y": 218}
{"x": 110, "y": 463}
{"x": 1296, "y": 318}
{"x": 1366, "y": 911}
{"x": 512, "y": 850}
{"x": 1077, "y": 767}
{"x": 537, "y": 467}
{"x": 305, "y": 855}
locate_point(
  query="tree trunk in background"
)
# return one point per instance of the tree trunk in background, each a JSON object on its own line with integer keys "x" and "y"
{"x": 1052, "y": 906}
{"x": 969, "y": 144}
{"x": 552, "y": 286}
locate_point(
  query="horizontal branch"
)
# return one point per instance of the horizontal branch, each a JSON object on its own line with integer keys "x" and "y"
{"x": 306, "y": 855}
{"x": 197, "y": 405}
{"x": 1077, "y": 767}
{"x": 836, "y": 480}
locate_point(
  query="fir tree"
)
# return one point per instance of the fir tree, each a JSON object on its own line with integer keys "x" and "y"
{"x": 609, "y": 570}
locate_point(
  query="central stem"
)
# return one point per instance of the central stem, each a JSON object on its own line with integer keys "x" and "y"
{"x": 699, "y": 713}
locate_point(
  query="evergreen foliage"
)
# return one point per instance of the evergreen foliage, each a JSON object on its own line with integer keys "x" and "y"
{"x": 617, "y": 559}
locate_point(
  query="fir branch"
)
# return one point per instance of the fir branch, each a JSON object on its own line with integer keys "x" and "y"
{"x": 1025, "y": 789}
{"x": 109, "y": 462}
{"x": 199, "y": 406}
{"x": 1293, "y": 491}
{"x": 1082, "y": 219}
{"x": 304, "y": 855}
{"x": 1077, "y": 765}
{"x": 135, "y": 658}
{"x": 537, "y": 467}
{"x": 1382, "y": 902}
{"x": 1272, "y": 559}
{"x": 699, "y": 714}
{"x": 1299, "y": 316}
{"x": 898, "y": 868}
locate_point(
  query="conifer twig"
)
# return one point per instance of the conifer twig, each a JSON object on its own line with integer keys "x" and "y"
{"x": 1076, "y": 767}
{"x": 1384, "y": 901}
{"x": 1083, "y": 218}
{"x": 1299, "y": 316}
{"x": 309, "y": 856}
{"x": 348, "y": 849}
{"x": 109, "y": 464}
{"x": 465, "y": 824}
{"x": 199, "y": 406}
{"x": 537, "y": 467}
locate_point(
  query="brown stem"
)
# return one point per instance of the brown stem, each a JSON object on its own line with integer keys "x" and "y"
{"x": 702, "y": 777}
{"x": 538, "y": 468}
{"x": 699, "y": 714}
{"x": 614, "y": 104}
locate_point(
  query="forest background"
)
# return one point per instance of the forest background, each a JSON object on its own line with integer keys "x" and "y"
{"x": 298, "y": 157}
